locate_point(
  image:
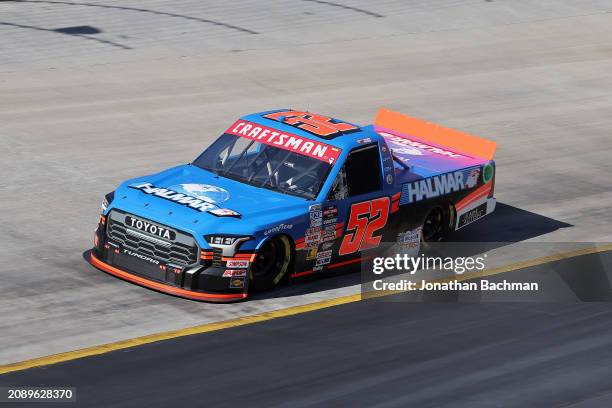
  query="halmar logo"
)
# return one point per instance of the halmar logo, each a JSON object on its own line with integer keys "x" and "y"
{"x": 437, "y": 186}
{"x": 201, "y": 203}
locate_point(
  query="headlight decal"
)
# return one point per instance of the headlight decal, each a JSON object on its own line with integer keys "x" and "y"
{"x": 108, "y": 198}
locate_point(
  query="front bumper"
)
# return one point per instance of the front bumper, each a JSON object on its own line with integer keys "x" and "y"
{"x": 211, "y": 279}
{"x": 161, "y": 287}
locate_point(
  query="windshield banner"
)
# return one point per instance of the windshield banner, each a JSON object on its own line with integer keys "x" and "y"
{"x": 287, "y": 141}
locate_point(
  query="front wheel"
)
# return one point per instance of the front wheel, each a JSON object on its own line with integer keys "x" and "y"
{"x": 271, "y": 264}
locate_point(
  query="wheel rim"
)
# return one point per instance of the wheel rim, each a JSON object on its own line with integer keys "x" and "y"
{"x": 433, "y": 226}
{"x": 272, "y": 260}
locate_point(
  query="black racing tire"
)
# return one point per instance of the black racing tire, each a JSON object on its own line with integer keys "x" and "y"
{"x": 271, "y": 264}
{"x": 435, "y": 225}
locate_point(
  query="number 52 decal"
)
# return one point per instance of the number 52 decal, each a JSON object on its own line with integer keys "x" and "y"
{"x": 366, "y": 218}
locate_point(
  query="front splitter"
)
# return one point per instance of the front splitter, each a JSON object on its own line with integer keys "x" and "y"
{"x": 171, "y": 290}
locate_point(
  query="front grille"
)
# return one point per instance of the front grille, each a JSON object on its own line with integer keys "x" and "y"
{"x": 182, "y": 251}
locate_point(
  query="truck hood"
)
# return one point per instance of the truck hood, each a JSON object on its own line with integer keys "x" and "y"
{"x": 183, "y": 196}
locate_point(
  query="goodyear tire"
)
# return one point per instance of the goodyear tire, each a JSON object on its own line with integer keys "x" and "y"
{"x": 271, "y": 264}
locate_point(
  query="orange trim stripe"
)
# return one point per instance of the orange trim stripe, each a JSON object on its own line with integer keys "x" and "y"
{"x": 244, "y": 255}
{"x": 432, "y": 133}
{"x": 102, "y": 220}
{"x": 250, "y": 258}
{"x": 161, "y": 287}
{"x": 475, "y": 195}
{"x": 206, "y": 255}
{"x": 472, "y": 200}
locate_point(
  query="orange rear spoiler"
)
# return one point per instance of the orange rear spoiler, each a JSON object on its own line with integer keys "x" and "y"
{"x": 430, "y": 132}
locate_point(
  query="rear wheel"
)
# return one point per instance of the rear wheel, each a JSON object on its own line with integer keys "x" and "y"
{"x": 271, "y": 264}
{"x": 435, "y": 225}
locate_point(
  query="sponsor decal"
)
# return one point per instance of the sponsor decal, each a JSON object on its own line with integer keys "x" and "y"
{"x": 141, "y": 256}
{"x": 237, "y": 263}
{"x": 472, "y": 177}
{"x": 323, "y": 260}
{"x": 316, "y": 215}
{"x": 330, "y": 211}
{"x": 326, "y": 245}
{"x": 328, "y": 221}
{"x": 313, "y": 230}
{"x": 312, "y": 254}
{"x": 150, "y": 228}
{"x": 318, "y": 222}
{"x": 329, "y": 233}
{"x": 324, "y": 256}
{"x": 388, "y": 165}
{"x": 472, "y": 215}
{"x": 205, "y": 192}
{"x": 233, "y": 273}
{"x": 315, "y": 211}
{"x": 286, "y": 141}
{"x": 440, "y": 185}
{"x": 364, "y": 141}
{"x": 319, "y": 125}
{"x": 199, "y": 198}
{"x": 312, "y": 240}
{"x": 278, "y": 228}
{"x": 409, "y": 242}
{"x": 237, "y": 283}
{"x": 225, "y": 212}
{"x": 405, "y": 141}
{"x": 410, "y": 151}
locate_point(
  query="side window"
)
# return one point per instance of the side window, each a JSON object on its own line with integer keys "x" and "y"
{"x": 363, "y": 171}
{"x": 359, "y": 175}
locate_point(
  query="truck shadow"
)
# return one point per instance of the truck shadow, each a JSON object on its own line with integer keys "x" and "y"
{"x": 505, "y": 226}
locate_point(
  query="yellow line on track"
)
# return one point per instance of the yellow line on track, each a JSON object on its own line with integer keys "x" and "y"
{"x": 261, "y": 317}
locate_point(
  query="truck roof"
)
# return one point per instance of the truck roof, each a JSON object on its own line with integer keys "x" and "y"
{"x": 326, "y": 129}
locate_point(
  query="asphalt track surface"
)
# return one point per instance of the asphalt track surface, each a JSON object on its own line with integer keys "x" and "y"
{"x": 92, "y": 93}
{"x": 390, "y": 352}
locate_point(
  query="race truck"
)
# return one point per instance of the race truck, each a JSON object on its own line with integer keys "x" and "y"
{"x": 285, "y": 194}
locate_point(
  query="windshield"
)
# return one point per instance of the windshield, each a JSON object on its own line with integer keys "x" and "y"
{"x": 265, "y": 166}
